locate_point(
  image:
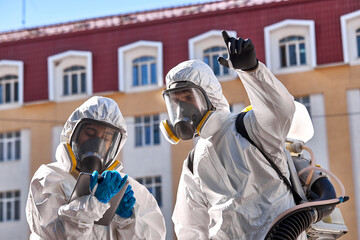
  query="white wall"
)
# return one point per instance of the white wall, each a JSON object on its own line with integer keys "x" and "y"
{"x": 14, "y": 175}
{"x": 56, "y": 131}
{"x": 318, "y": 143}
{"x": 353, "y": 103}
{"x": 151, "y": 161}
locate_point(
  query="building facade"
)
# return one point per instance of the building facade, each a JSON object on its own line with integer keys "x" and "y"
{"x": 313, "y": 47}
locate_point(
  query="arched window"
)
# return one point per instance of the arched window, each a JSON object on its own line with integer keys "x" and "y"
{"x": 292, "y": 51}
{"x": 144, "y": 71}
{"x": 9, "y": 89}
{"x": 358, "y": 42}
{"x": 210, "y": 57}
{"x": 74, "y": 80}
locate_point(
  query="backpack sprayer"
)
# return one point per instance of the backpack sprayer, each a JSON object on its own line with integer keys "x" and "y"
{"x": 317, "y": 213}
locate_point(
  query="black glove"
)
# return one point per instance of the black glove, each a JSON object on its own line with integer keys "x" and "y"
{"x": 241, "y": 52}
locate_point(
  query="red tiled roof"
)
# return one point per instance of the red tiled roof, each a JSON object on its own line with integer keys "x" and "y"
{"x": 126, "y": 19}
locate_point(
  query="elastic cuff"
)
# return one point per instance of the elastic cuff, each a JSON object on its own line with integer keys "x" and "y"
{"x": 125, "y": 214}
{"x": 253, "y": 68}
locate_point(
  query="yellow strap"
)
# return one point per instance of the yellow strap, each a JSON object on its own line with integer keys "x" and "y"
{"x": 72, "y": 157}
{"x": 112, "y": 166}
{"x": 248, "y": 108}
{"x": 202, "y": 122}
{"x": 169, "y": 132}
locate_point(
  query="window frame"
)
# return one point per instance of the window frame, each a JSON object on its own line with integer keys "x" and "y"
{"x": 132, "y": 51}
{"x": 58, "y": 63}
{"x": 275, "y": 32}
{"x": 350, "y": 23}
{"x": 14, "y": 68}
{"x": 213, "y": 38}
{"x": 153, "y": 185}
{"x": 12, "y": 200}
{"x": 211, "y": 52}
{"x": 285, "y": 44}
{"x": 142, "y": 125}
{"x": 5, "y": 140}
{"x": 144, "y": 61}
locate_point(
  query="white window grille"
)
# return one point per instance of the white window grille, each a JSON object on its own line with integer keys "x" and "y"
{"x": 9, "y": 89}
{"x": 10, "y": 146}
{"x": 210, "y": 57}
{"x": 9, "y": 206}
{"x": 74, "y": 80}
{"x": 147, "y": 130}
{"x": 292, "y": 51}
{"x": 144, "y": 71}
{"x": 358, "y": 42}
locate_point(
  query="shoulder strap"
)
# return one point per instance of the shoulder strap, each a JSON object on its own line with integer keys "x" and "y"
{"x": 190, "y": 158}
{"x": 240, "y": 128}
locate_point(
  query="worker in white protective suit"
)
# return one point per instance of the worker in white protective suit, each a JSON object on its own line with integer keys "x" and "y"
{"x": 227, "y": 189}
{"x": 91, "y": 139}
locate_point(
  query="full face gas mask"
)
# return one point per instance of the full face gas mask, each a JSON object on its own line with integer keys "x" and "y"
{"x": 188, "y": 108}
{"x": 94, "y": 144}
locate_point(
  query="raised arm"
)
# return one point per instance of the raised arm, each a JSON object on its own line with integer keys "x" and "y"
{"x": 273, "y": 106}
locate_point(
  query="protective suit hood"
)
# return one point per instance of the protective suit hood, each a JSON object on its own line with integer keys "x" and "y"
{"x": 97, "y": 108}
{"x": 201, "y": 74}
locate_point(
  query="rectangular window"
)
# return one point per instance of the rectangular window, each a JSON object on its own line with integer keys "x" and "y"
{"x": 66, "y": 85}
{"x": 302, "y": 53}
{"x": 1, "y": 208}
{"x": 10, "y": 146}
{"x": 7, "y": 92}
{"x": 153, "y": 184}
{"x": 210, "y": 56}
{"x": 1, "y": 94}
{"x": 358, "y": 45}
{"x": 74, "y": 80}
{"x": 74, "y": 83}
{"x": 83, "y": 82}
{"x": 138, "y": 132}
{"x": 283, "y": 56}
{"x": 10, "y": 206}
{"x": 144, "y": 75}
{"x": 9, "y": 89}
{"x": 156, "y": 130}
{"x": 216, "y": 65}
{"x": 16, "y": 91}
{"x": 1, "y": 150}
{"x": 147, "y": 130}
{"x": 207, "y": 60}
{"x": 225, "y": 69}
{"x": 135, "y": 76}
{"x": 153, "y": 73}
{"x": 292, "y": 54}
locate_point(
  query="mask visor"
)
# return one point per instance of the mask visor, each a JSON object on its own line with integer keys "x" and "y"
{"x": 95, "y": 140}
{"x": 185, "y": 104}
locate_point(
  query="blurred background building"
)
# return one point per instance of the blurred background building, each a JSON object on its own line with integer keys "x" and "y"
{"x": 313, "y": 47}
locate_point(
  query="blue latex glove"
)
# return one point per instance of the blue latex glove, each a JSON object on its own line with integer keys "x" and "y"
{"x": 109, "y": 186}
{"x": 127, "y": 203}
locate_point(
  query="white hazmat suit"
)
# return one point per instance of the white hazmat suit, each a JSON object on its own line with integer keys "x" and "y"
{"x": 48, "y": 212}
{"x": 233, "y": 192}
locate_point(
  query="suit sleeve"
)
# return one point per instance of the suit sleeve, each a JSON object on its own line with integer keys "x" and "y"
{"x": 49, "y": 214}
{"x": 272, "y": 109}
